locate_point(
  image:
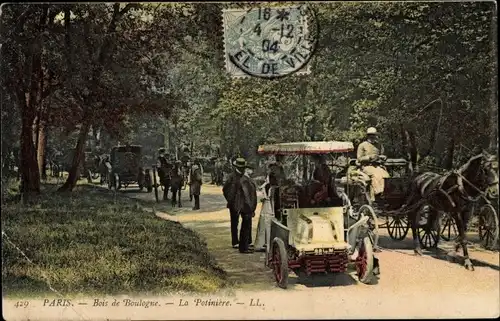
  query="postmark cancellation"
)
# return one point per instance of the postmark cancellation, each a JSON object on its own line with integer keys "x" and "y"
{"x": 269, "y": 41}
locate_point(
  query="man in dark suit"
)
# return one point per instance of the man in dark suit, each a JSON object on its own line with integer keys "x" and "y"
{"x": 195, "y": 184}
{"x": 241, "y": 196}
{"x": 164, "y": 170}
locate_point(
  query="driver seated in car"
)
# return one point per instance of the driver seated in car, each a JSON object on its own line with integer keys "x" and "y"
{"x": 370, "y": 156}
{"x": 326, "y": 193}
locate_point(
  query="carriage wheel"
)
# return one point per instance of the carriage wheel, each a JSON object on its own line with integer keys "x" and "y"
{"x": 449, "y": 230}
{"x": 364, "y": 261}
{"x": 367, "y": 210}
{"x": 428, "y": 235}
{"x": 280, "y": 263}
{"x": 397, "y": 227}
{"x": 488, "y": 226}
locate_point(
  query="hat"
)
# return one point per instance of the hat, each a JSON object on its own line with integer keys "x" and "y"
{"x": 162, "y": 150}
{"x": 371, "y": 131}
{"x": 240, "y": 163}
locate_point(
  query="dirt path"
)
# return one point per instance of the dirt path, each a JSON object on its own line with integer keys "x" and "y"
{"x": 425, "y": 284}
{"x": 212, "y": 223}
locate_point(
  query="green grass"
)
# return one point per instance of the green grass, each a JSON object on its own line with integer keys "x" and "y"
{"x": 89, "y": 242}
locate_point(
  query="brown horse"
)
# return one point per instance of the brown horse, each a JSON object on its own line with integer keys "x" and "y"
{"x": 176, "y": 183}
{"x": 453, "y": 193}
{"x": 165, "y": 173}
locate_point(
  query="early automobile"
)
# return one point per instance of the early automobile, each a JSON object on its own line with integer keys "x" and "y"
{"x": 304, "y": 235}
{"x": 127, "y": 168}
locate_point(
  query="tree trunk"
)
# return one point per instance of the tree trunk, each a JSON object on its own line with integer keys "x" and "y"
{"x": 74, "y": 172}
{"x": 30, "y": 175}
{"x": 42, "y": 145}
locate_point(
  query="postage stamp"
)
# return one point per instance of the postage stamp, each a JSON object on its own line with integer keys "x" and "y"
{"x": 231, "y": 161}
{"x": 269, "y": 41}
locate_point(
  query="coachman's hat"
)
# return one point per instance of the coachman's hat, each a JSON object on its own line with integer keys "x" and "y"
{"x": 371, "y": 131}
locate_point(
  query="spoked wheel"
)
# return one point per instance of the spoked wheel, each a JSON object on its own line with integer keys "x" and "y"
{"x": 367, "y": 210}
{"x": 280, "y": 263}
{"x": 488, "y": 226}
{"x": 428, "y": 235}
{"x": 449, "y": 230}
{"x": 364, "y": 261}
{"x": 398, "y": 227}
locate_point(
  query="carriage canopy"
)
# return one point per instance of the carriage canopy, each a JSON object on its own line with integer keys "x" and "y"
{"x": 306, "y": 148}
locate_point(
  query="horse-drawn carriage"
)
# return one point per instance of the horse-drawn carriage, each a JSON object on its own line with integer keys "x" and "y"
{"x": 319, "y": 238}
{"x": 127, "y": 168}
{"x": 430, "y": 203}
{"x": 390, "y": 205}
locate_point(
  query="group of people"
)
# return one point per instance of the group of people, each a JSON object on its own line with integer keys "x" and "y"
{"x": 173, "y": 172}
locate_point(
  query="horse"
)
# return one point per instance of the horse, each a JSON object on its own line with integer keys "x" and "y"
{"x": 54, "y": 163}
{"x": 104, "y": 167}
{"x": 165, "y": 173}
{"x": 219, "y": 173}
{"x": 454, "y": 193}
{"x": 176, "y": 183}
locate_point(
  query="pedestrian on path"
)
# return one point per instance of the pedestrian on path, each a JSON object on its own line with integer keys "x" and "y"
{"x": 196, "y": 182}
{"x": 241, "y": 196}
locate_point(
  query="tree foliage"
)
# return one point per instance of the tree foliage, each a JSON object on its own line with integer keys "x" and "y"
{"x": 154, "y": 74}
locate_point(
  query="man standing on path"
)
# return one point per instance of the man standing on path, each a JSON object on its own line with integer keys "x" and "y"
{"x": 241, "y": 196}
{"x": 164, "y": 170}
{"x": 196, "y": 181}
